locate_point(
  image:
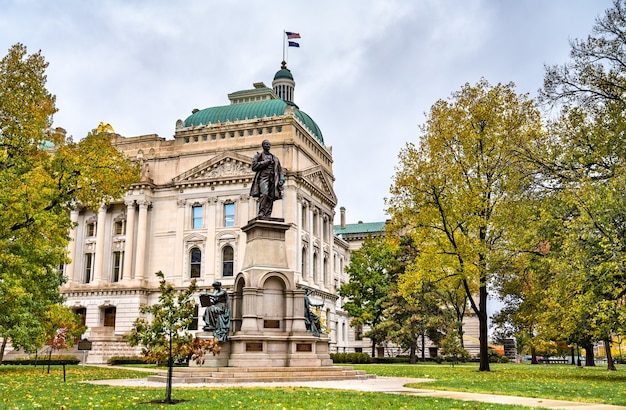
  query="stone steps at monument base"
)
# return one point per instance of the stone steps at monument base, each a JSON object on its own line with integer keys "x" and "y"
{"x": 247, "y": 375}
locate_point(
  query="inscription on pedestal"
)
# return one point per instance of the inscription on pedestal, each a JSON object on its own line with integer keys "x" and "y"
{"x": 254, "y": 347}
{"x": 304, "y": 347}
{"x": 271, "y": 324}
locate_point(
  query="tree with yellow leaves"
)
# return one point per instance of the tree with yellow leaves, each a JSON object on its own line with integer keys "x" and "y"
{"x": 459, "y": 191}
{"x": 43, "y": 175}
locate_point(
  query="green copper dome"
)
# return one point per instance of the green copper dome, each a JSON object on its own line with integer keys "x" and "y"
{"x": 283, "y": 73}
{"x": 251, "y": 110}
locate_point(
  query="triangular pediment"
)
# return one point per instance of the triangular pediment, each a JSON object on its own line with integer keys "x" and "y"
{"x": 223, "y": 168}
{"x": 320, "y": 181}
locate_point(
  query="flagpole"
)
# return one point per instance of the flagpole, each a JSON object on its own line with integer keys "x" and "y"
{"x": 284, "y": 35}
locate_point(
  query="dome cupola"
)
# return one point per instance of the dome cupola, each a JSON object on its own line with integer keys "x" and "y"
{"x": 284, "y": 84}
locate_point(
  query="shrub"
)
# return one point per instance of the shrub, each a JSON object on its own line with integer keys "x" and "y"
{"x": 354, "y": 358}
{"x": 495, "y": 357}
{"x": 118, "y": 360}
{"x": 55, "y": 360}
{"x": 391, "y": 360}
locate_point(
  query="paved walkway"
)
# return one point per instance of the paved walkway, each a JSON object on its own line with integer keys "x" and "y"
{"x": 392, "y": 385}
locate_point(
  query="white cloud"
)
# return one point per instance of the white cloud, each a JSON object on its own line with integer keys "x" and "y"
{"x": 366, "y": 71}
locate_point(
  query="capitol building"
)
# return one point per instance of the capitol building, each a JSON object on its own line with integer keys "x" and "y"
{"x": 185, "y": 218}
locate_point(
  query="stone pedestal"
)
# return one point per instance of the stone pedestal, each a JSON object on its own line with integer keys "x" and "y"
{"x": 268, "y": 308}
{"x": 210, "y": 360}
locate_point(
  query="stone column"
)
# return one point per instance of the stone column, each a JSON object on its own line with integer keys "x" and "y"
{"x": 242, "y": 210}
{"x": 211, "y": 210}
{"x": 249, "y": 322}
{"x": 310, "y": 250}
{"x": 322, "y": 277}
{"x": 69, "y": 268}
{"x": 141, "y": 239}
{"x": 298, "y": 267}
{"x": 99, "y": 258}
{"x": 127, "y": 270}
{"x": 180, "y": 245}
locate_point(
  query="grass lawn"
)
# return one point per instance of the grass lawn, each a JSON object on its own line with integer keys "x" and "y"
{"x": 28, "y": 387}
{"x": 562, "y": 382}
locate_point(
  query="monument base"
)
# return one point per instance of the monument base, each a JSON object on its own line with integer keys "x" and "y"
{"x": 279, "y": 351}
{"x": 210, "y": 360}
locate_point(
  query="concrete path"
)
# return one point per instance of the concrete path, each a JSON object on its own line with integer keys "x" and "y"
{"x": 392, "y": 385}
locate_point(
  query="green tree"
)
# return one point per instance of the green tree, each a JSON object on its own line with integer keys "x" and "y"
{"x": 451, "y": 349}
{"x": 459, "y": 191}
{"x": 368, "y": 285}
{"x": 584, "y": 159}
{"x": 165, "y": 335}
{"x": 42, "y": 176}
{"x": 409, "y": 320}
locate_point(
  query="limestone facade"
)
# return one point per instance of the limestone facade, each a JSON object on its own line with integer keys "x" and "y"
{"x": 185, "y": 218}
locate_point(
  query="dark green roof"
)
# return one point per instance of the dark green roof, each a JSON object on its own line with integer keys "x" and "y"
{"x": 360, "y": 228}
{"x": 283, "y": 73}
{"x": 257, "y": 109}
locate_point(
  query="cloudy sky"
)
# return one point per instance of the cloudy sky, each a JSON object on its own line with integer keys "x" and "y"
{"x": 367, "y": 71}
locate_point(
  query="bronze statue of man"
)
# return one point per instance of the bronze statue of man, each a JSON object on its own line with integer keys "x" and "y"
{"x": 268, "y": 180}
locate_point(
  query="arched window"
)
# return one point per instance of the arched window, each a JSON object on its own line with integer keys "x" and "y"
{"x": 228, "y": 256}
{"x": 315, "y": 277}
{"x": 195, "y": 262}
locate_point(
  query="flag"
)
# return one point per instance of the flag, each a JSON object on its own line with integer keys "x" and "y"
{"x": 291, "y": 35}
{"x": 293, "y": 44}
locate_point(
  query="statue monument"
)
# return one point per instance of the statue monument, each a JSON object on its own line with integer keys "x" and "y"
{"x": 217, "y": 313}
{"x": 312, "y": 319}
{"x": 268, "y": 181}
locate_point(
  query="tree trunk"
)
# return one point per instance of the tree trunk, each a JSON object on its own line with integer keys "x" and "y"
{"x": 49, "y": 360}
{"x": 4, "y": 345}
{"x": 373, "y": 348}
{"x": 589, "y": 356}
{"x": 460, "y": 330}
{"x": 483, "y": 327}
{"x": 412, "y": 355}
{"x": 423, "y": 347}
{"x": 610, "y": 364}
{"x": 573, "y": 356}
{"x": 170, "y": 366}
{"x": 533, "y": 356}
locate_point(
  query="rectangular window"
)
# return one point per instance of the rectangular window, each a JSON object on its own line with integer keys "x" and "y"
{"x": 120, "y": 227}
{"x": 195, "y": 263}
{"x": 197, "y": 216}
{"x": 229, "y": 214}
{"x": 118, "y": 258}
{"x": 194, "y": 322}
{"x": 228, "y": 259}
{"x": 88, "y": 267}
{"x": 358, "y": 333}
{"x": 91, "y": 229}
{"x": 82, "y": 314}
